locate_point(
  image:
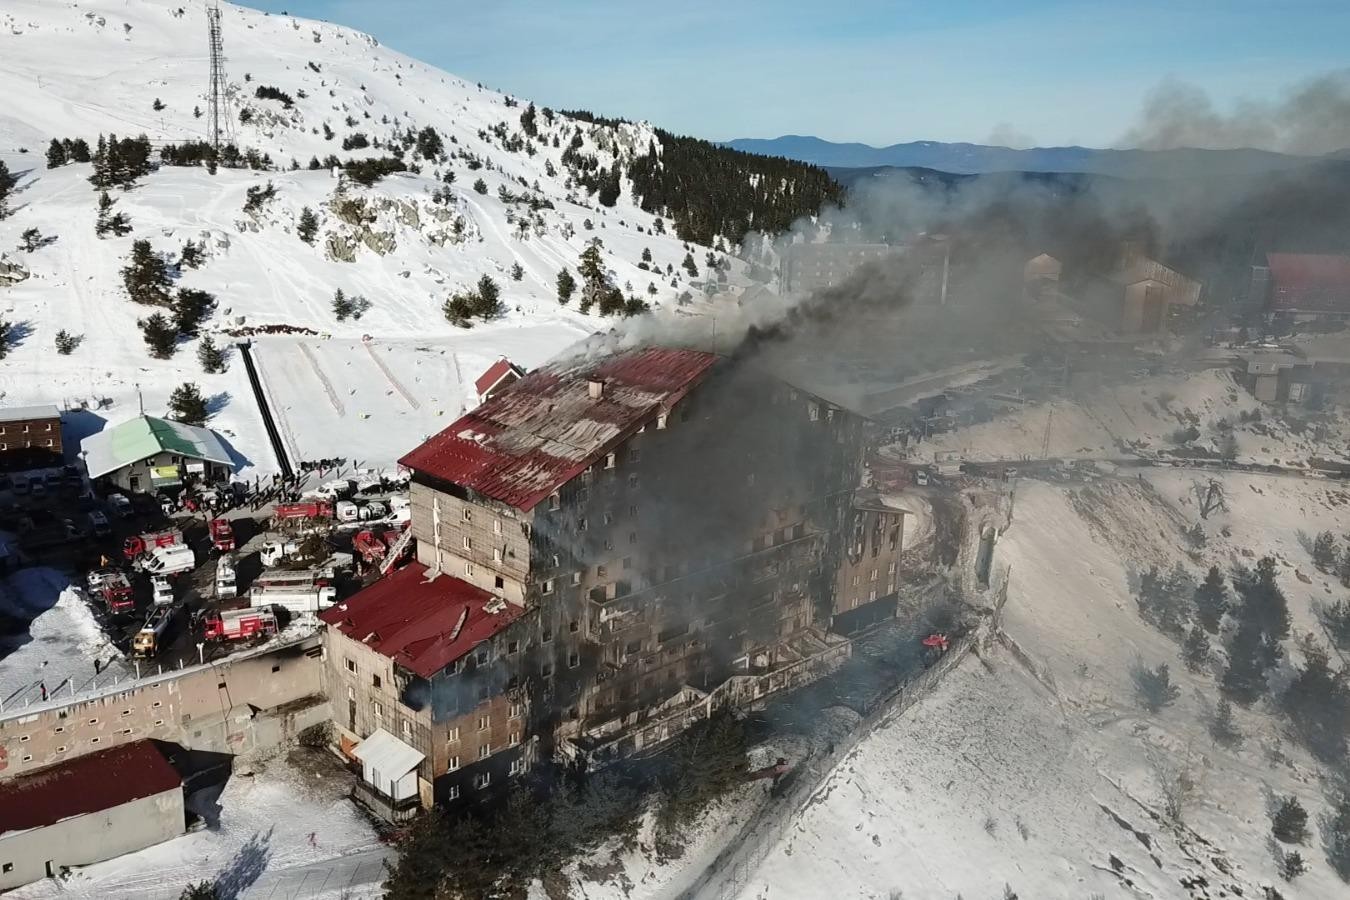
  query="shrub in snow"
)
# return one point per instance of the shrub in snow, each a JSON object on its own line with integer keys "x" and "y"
{"x": 146, "y": 276}
{"x": 211, "y": 357}
{"x": 1289, "y": 822}
{"x": 1154, "y": 687}
{"x": 160, "y": 335}
{"x": 67, "y": 342}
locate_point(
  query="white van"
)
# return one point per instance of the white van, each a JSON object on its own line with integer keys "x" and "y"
{"x": 227, "y": 588}
{"x": 167, "y": 561}
{"x": 161, "y": 591}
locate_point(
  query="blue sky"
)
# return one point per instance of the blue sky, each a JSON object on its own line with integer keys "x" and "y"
{"x": 863, "y": 70}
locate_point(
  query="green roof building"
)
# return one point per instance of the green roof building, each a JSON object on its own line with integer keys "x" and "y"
{"x": 146, "y": 454}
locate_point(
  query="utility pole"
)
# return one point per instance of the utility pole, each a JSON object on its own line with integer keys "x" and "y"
{"x": 216, "y": 91}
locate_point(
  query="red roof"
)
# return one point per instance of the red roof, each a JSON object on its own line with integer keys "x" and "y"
{"x": 495, "y": 373}
{"x": 537, "y": 434}
{"x": 86, "y": 784}
{"x": 1310, "y": 281}
{"x": 423, "y": 625}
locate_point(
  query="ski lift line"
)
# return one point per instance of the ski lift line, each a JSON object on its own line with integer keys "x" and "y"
{"x": 265, "y": 411}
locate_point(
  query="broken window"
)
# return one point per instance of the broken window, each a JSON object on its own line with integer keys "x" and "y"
{"x": 547, "y": 586}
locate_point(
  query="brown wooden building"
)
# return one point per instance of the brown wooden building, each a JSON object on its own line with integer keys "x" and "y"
{"x": 30, "y": 437}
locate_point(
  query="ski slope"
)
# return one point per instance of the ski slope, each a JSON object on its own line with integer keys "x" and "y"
{"x": 80, "y": 70}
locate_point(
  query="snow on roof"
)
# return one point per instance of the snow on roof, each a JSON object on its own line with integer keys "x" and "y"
{"x": 387, "y": 755}
{"x": 494, "y": 375}
{"x": 86, "y": 784}
{"x": 422, "y": 624}
{"x": 537, "y": 434}
{"x": 146, "y": 436}
{"x": 27, "y": 413}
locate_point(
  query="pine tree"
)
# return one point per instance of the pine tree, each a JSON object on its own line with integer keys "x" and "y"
{"x": 689, "y": 265}
{"x": 77, "y": 150}
{"x": 6, "y": 338}
{"x": 1211, "y": 600}
{"x": 1291, "y": 865}
{"x": 489, "y": 298}
{"x": 190, "y": 308}
{"x": 1289, "y": 823}
{"x": 211, "y": 357}
{"x": 66, "y": 342}
{"x": 160, "y": 336}
{"x": 203, "y": 890}
{"x": 1336, "y": 619}
{"x": 146, "y": 276}
{"x": 480, "y": 186}
{"x": 56, "y": 154}
{"x": 31, "y": 239}
{"x": 566, "y": 285}
{"x": 342, "y": 307}
{"x": 1195, "y": 649}
{"x": 611, "y": 187}
{"x": 1223, "y": 729}
{"x": 1325, "y": 553}
{"x": 191, "y": 256}
{"x": 1317, "y": 703}
{"x": 1245, "y": 678}
{"x": 308, "y": 226}
{"x": 646, "y": 255}
{"x": 517, "y": 273}
{"x": 186, "y": 404}
{"x": 109, "y": 222}
{"x": 1154, "y": 687}
{"x": 7, "y": 183}
{"x": 1337, "y": 840}
{"x": 1344, "y": 569}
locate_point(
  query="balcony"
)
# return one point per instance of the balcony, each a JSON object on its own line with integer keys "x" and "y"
{"x": 386, "y": 807}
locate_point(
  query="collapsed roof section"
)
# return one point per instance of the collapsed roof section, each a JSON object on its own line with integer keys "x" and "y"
{"x": 537, "y": 434}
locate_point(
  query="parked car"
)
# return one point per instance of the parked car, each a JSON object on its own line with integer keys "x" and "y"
{"x": 99, "y": 524}
{"x": 161, "y": 591}
{"x": 121, "y": 506}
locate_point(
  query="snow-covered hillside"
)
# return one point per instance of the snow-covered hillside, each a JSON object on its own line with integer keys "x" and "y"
{"x": 78, "y": 70}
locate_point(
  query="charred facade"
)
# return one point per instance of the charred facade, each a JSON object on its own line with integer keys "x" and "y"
{"x": 665, "y": 531}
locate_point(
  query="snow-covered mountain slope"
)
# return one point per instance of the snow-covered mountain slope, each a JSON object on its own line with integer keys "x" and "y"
{"x": 1038, "y": 769}
{"x": 76, "y": 70}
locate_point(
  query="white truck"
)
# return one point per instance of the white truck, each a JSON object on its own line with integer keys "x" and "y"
{"x": 167, "y": 561}
{"x": 273, "y": 552}
{"x": 161, "y": 591}
{"x": 227, "y": 587}
{"x": 302, "y": 591}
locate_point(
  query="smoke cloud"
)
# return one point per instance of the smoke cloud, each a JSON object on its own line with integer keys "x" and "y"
{"x": 1312, "y": 119}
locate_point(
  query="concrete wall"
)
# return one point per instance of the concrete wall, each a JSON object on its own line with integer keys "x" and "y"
{"x": 231, "y": 706}
{"x": 91, "y": 838}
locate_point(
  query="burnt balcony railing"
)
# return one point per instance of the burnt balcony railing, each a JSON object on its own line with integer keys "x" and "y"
{"x": 385, "y": 806}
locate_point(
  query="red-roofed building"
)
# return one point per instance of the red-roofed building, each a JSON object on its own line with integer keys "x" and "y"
{"x": 498, "y": 375}
{"x": 1309, "y": 283}
{"x": 653, "y": 526}
{"x": 390, "y": 649}
{"x": 94, "y": 807}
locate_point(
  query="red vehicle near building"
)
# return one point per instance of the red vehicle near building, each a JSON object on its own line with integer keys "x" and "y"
{"x": 312, "y": 509}
{"x": 113, "y": 588}
{"x": 137, "y": 544}
{"x": 239, "y": 624}
{"x": 222, "y": 535}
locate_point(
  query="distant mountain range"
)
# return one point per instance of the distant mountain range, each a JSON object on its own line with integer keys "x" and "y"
{"x": 974, "y": 159}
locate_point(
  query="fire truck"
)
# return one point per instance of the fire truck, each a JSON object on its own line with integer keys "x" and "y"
{"x": 299, "y": 513}
{"x": 137, "y": 544}
{"x": 239, "y": 624}
{"x": 152, "y": 637}
{"x": 113, "y": 587}
{"x": 306, "y": 590}
{"x": 222, "y": 535}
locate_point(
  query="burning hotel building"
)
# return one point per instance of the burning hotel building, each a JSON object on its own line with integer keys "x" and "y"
{"x": 607, "y": 550}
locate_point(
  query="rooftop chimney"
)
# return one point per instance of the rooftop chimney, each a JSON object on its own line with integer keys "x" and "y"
{"x": 596, "y": 388}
